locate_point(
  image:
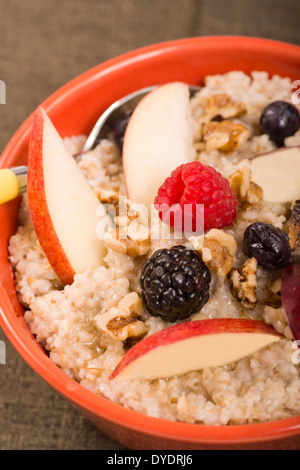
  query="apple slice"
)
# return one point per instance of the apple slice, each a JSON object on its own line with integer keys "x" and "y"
{"x": 62, "y": 205}
{"x": 278, "y": 174}
{"x": 158, "y": 138}
{"x": 192, "y": 346}
{"x": 290, "y": 295}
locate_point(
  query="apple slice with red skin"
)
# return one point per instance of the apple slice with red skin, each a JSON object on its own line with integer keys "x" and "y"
{"x": 62, "y": 205}
{"x": 194, "y": 345}
{"x": 158, "y": 138}
{"x": 278, "y": 174}
{"x": 290, "y": 296}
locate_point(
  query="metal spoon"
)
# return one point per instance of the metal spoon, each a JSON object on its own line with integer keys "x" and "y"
{"x": 13, "y": 181}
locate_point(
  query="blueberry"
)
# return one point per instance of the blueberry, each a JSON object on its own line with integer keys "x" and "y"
{"x": 280, "y": 120}
{"x": 268, "y": 244}
{"x": 120, "y": 129}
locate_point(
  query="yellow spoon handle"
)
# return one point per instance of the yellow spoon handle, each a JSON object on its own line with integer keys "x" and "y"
{"x": 13, "y": 182}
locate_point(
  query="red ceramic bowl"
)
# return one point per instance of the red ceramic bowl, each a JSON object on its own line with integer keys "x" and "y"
{"x": 73, "y": 109}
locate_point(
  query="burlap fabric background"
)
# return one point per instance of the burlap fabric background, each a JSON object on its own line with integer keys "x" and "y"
{"x": 43, "y": 44}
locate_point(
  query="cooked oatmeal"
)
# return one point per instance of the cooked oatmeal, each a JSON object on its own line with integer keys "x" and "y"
{"x": 68, "y": 321}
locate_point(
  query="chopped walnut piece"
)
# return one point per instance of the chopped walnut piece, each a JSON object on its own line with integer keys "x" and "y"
{"x": 222, "y": 105}
{"x": 294, "y": 227}
{"x": 275, "y": 286}
{"x": 224, "y": 238}
{"x": 217, "y": 249}
{"x": 245, "y": 190}
{"x": 243, "y": 283}
{"x": 273, "y": 297}
{"x": 225, "y": 136}
{"x": 121, "y": 322}
{"x": 120, "y": 207}
{"x": 133, "y": 240}
{"x": 111, "y": 199}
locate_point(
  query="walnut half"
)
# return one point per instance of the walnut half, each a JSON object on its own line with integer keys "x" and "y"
{"x": 225, "y": 136}
{"x": 243, "y": 282}
{"x": 221, "y": 104}
{"x": 121, "y": 322}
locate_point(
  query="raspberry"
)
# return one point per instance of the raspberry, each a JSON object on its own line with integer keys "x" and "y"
{"x": 191, "y": 189}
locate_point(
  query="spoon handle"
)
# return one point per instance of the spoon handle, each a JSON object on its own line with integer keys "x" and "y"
{"x": 13, "y": 182}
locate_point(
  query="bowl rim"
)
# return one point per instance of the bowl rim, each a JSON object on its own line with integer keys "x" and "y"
{"x": 118, "y": 62}
{"x": 77, "y": 394}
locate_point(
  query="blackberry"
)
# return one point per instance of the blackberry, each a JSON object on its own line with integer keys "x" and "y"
{"x": 175, "y": 283}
